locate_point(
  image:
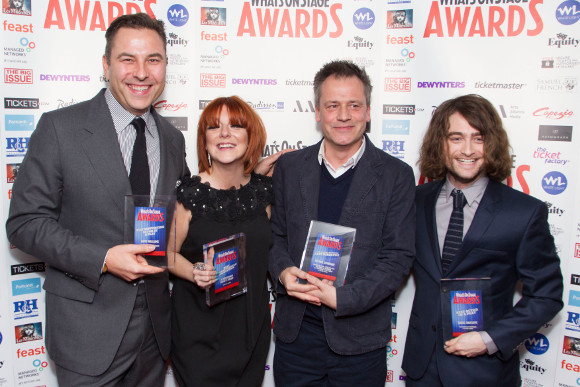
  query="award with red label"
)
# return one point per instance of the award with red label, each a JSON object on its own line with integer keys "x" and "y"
{"x": 465, "y": 305}
{"x": 327, "y": 251}
{"x": 148, "y": 221}
{"x": 228, "y": 257}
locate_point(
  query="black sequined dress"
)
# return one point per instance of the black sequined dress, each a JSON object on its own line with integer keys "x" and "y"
{"x": 226, "y": 345}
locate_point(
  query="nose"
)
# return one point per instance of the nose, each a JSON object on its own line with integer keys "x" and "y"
{"x": 140, "y": 70}
{"x": 225, "y": 130}
{"x": 343, "y": 113}
{"x": 467, "y": 148}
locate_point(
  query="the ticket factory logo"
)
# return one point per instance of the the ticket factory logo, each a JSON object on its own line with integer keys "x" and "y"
{"x": 461, "y": 18}
{"x": 290, "y": 19}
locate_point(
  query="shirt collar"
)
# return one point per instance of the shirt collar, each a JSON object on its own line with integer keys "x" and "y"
{"x": 472, "y": 193}
{"x": 121, "y": 117}
{"x": 350, "y": 163}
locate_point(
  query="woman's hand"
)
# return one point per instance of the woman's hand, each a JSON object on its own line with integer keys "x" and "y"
{"x": 204, "y": 274}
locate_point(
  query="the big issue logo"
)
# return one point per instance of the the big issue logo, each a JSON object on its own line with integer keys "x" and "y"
{"x": 90, "y": 15}
{"x": 290, "y": 19}
{"x": 459, "y": 18}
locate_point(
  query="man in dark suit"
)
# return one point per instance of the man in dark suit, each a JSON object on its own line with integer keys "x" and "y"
{"x": 107, "y": 310}
{"x": 327, "y": 335}
{"x": 490, "y": 231}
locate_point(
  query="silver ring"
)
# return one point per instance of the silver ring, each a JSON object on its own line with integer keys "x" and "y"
{"x": 199, "y": 266}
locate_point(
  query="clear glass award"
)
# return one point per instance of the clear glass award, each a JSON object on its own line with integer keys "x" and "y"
{"x": 228, "y": 257}
{"x": 465, "y": 305}
{"x": 148, "y": 220}
{"x": 327, "y": 251}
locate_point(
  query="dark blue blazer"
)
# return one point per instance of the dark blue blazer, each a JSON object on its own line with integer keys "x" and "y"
{"x": 380, "y": 205}
{"x": 508, "y": 240}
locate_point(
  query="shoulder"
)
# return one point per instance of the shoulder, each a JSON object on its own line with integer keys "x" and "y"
{"x": 80, "y": 109}
{"x": 512, "y": 199}
{"x": 299, "y": 156}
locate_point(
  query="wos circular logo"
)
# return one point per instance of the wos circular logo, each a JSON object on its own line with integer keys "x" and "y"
{"x": 177, "y": 15}
{"x": 363, "y": 18}
{"x": 554, "y": 183}
{"x": 538, "y": 344}
{"x": 40, "y": 364}
{"x": 568, "y": 12}
{"x": 0, "y": 337}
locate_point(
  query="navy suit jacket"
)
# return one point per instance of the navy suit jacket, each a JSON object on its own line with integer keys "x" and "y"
{"x": 67, "y": 209}
{"x": 508, "y": 240}
{"x": 380, "y": 206}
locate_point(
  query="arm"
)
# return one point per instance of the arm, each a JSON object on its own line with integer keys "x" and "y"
{"x": 282, "y": 269}
{"x": 266, "y": 165}
{"x": 538, "y": 268}
{"x": 393, "y": 259}
{"x": 183, "y": 268}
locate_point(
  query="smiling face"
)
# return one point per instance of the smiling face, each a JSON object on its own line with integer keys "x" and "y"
{"x": 464, "y": 152}
{"x": 343, "y": 113}
{"x": 226, "y": 143}
{"x": 136, "y": 71}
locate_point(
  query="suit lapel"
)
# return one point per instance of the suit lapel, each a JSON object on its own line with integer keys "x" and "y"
{"x": 100, "y": 144}
{"x": 431, "y": 225}
{"x": 365, "y": 177}
{"x": 309, "y": 182}
{"x": 486, "y": 211}
{"x": 168, "y": 154}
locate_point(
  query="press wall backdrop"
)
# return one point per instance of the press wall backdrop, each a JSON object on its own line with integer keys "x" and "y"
{"x": 523, "y": 55}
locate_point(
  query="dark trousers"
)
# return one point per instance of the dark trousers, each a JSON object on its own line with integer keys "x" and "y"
{"x": 309, "y": 361}
{"x": 138, "y": 361}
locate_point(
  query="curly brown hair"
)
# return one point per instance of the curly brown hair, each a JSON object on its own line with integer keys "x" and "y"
{"x": 240, "y": 113}
{"x": 481, "y": 115}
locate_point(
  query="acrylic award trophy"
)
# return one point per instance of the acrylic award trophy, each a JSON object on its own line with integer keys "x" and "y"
{"x": 465, "y": 305}
{"x": 327, "y": 251}
{"x": 149, "y": 220}
{"x": 228, "y": 257}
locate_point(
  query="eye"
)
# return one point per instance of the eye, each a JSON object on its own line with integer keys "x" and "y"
{"x": 237, "y": 126}
{"x": 212, "y": 127}
{"x": 479, "y": 139}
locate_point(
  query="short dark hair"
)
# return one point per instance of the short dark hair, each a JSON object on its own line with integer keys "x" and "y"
{"x": 240, "y": 113}
{"x": 136, "y": 21}
{"x": 341, "y": 69}
{"x": 481, "y": 115}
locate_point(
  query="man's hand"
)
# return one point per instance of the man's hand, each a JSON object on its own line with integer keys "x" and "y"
{"x": 324, "y": 291}
{"x": 125, "y": 262}
{"x": 468, "y": 344}
{"x": 266, "y": 165}
{"x": 288, "y": 278}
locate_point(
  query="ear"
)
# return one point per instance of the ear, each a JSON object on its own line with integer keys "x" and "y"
{"x": 317, "y": 113}
{"x": 105, "y": 67}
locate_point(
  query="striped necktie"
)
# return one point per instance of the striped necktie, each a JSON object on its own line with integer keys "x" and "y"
{"x": 454, "y": 235}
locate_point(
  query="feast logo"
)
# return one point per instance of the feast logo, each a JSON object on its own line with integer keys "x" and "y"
{"x": 15, "y": 27}
{"x": 171, "y": 107}
{"x": 545, "y": 112}
{"x": 305, "y": 21}
{"x": 66, "y": 14}
{"x": 483, "y": 21}
{"x": 400, "y": 39}
{"x": 20, "y": 76}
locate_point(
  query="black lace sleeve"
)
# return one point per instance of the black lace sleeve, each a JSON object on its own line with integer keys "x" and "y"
{"x": 225, "y": 205}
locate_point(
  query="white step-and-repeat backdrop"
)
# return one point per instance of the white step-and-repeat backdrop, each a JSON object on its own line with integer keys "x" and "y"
{"x": 523, "y": 55}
